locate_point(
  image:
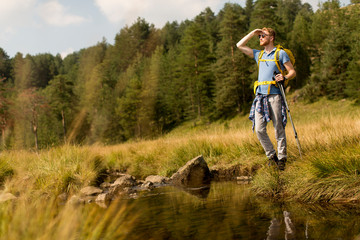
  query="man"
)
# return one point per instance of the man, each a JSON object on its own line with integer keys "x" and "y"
{"x": 268, "y": 103}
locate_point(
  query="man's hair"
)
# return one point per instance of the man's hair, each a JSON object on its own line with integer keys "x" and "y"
{"x": 270, "y": 31}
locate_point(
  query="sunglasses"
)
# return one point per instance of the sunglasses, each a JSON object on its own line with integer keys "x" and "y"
{"x": 263, "y": 35}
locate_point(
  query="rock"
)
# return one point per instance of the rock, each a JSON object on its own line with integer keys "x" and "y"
{"x": 133, "y": 195}
{"x": 226, "y": 173}
{"x": 244, "y": 179}
{"x": 139, "y": 182}
{"x": 105, "y": 185}
{"x": 128, "y": 191}
{"x": 90, "y": 191}
{"x": 4, "y": 197}
{"x": 147, "y": 186}
{"x": 125, "y": 181}
{"x": 115, "y": 190}
{"x": 103, "y": 197}
{"x": 195, "y": 173}
{"x": 120, "y": 190}
{"x": 155, "y": 179}
{"x": 113, "y": 175}
{"x": 230, "y": 173}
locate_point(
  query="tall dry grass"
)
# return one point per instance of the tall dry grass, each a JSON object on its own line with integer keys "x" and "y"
{"x": 51, "y": 172}
{"x": 44, "y": 218}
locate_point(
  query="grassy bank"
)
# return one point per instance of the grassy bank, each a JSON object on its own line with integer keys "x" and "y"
{"x": 329, "y": 170}
{"x": 329, "y": 133}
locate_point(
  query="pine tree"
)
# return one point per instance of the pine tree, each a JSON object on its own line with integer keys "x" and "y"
{"x": 170, "y": 35}
{"x": 265, "y": 15}
{"x": 288, "y": 10}
{"x": 208, "y": 22}
{"x": 249, "y": 8}
{"x": 336, "y": 56}
{"x": 196, "y": 60}
{"x": 128, "y": 105}
{"x": 128, "y": 43}
{"x": 5, "y": 65}
{"x": 300, "y": 45}
{"x": 353, "y": 71}
{"x": 6, "y": 118}
{"x": 43, "y": 70}
{"x": 61, "y": 98}
{"x": 231, "y": 68}
{"x": 148, "y": 96}
{"x": 171, "y": 101}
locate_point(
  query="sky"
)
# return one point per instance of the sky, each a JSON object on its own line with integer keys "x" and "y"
{"x": 64, "y": 26}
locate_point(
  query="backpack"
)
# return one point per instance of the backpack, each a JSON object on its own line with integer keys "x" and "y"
{"x": 277, "y": 62}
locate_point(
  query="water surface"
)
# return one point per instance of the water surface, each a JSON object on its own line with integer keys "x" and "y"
{"x": 231, "y": 211}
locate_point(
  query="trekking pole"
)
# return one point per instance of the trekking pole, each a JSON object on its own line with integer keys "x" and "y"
{"x": 292, "y": 123}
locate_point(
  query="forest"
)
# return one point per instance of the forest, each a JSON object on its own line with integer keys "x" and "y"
{"x": 152, "y": 80}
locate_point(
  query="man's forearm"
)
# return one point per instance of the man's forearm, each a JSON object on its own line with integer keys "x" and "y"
{"x": 291, "y": 74}
{"x": 242, "y": 43}
{"x": 245, "y": 39}
{"x": 290, "y": 69}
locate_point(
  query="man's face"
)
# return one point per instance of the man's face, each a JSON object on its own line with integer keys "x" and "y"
{"x": 264, "y": 38}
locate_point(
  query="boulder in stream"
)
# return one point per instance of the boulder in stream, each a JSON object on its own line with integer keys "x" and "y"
{"x": 157, "y": 180}
{"x": 194, "y": 174}
{"x": 124, "y": 181}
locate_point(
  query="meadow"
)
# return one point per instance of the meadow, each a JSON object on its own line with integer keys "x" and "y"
{"x": 329, "y": 132}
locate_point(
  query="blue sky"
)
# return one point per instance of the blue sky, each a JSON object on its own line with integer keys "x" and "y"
{"x": 64, "y": 26}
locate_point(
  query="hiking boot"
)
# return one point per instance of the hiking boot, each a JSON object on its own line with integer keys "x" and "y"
{"x": 273, "y": 160}
{"x": 281, "y": 164}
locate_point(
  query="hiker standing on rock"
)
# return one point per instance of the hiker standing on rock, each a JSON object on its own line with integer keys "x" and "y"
{"x": 275, "y": 68}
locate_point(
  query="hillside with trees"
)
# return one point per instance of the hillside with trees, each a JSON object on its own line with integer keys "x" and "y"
{"x": 152, "y": 80}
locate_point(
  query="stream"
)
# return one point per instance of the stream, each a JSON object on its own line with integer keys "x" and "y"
{"x": 227, "y": 210}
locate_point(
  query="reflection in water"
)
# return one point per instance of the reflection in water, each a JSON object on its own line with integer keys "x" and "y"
{"x": 274, "y": 231}
{"x": 289, "y": 226}
{"x": 231, "y": 211}
{"x": 201, "y": 192}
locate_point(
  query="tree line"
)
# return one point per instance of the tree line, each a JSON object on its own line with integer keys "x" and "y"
{"x": 152, "y": 80}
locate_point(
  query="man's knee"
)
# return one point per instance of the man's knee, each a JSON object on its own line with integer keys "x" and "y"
{"x": 260, "y": 131}
{"x": 280, "y": 132}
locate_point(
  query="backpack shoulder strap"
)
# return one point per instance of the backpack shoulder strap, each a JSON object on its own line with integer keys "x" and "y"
{"x": 260, "y": 56}
{"x": 277, "y": 57}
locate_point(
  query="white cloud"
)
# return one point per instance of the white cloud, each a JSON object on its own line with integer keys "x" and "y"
{"x": 53, "y": 13}
{"x": 7, "y": 7}
{"x": 16, "y": 12}
{"x": 154, "y": 11}
{"x": 66, "y": 52}
{"x": 7, "y": 33}
{"x": 123, "y": 10}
